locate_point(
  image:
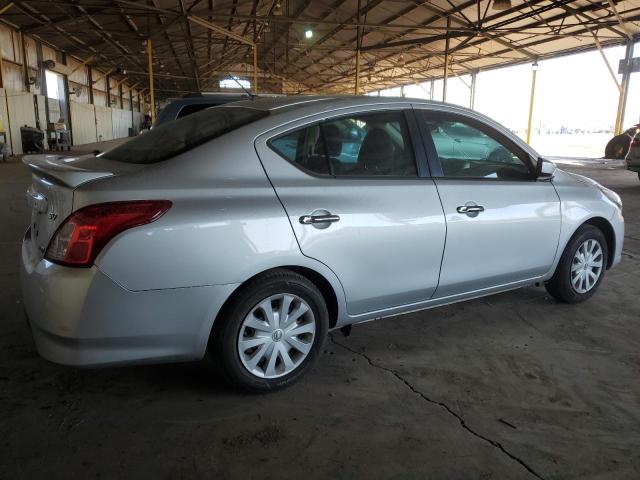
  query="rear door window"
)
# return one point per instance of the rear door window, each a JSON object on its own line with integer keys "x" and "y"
{"x": 174, "y": 138}
{"x": 368, "y": 144}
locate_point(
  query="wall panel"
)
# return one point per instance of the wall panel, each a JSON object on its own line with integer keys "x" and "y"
{"x": 83, "y": 123}
{"x": 21, "y": 111}
{"x": 104, "y": 126}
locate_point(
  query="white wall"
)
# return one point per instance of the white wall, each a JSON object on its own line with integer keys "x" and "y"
{"x": 121, "y": 122}
{"x": 21, "y": 112}
{"x": 104, "y": 126}
{"x": 83, "y": 123}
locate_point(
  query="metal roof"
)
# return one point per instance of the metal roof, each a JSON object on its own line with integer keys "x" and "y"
{"x": 401, "y": 41}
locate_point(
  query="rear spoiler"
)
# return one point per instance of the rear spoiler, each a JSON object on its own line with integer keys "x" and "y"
{"x": 69, "y": 171}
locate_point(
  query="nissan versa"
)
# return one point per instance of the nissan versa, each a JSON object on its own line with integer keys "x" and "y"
{"x": 243, "y": 233}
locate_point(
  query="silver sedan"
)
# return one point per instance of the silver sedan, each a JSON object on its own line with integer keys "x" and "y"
{"x": 243, "y": 233}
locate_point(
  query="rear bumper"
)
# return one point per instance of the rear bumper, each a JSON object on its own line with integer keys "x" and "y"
{"x": 81, "y": 317}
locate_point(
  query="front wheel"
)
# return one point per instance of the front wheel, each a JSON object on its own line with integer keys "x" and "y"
{"x": 581, "y": 267}
{"x": 271, "y": 332}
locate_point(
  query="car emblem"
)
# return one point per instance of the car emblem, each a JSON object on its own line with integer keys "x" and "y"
{"x": 53, "y": 216}
{"x": 277, "y": 335}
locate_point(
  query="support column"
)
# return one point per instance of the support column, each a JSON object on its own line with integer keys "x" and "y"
{"x": 90, "y": 83}
{"x": 152, "y": 101}
{"x": 358, "y": 37}
{"x": 472, "y": 95}
{"x": 624, "y": 88}
{"x": 446, "y": 62}
{"x": 255, "y": 69}
{"x": 357, "y": 88}
{"x": 534, "y": 72}
{"x": 25, "y": 65}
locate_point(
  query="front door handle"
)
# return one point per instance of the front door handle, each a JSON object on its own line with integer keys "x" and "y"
{"x": 470, "y": 210}
{"x": 316, "y": 219}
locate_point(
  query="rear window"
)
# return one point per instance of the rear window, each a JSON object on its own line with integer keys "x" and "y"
{"x": 174, "y": 138}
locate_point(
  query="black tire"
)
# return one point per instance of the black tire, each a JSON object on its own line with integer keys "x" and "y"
{"x": 560, "y": 286}
{"x": 222, "y": 350}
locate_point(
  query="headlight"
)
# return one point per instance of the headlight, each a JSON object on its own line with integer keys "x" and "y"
{"x": 611, "y": 195}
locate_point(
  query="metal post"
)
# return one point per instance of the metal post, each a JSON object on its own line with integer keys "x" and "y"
{"x": 446, "y": 62}
{"x": 357, "y": 88}
{"x": 534, "y": 72}
{"x": 358, "y": 37}
{"x": 25, "y": 65}
{"x": 472, "y": 94}
{"x": 152, "y": 101}
{"x": 90, "y": 82}
{"x": 431, "y": 91}
{"x": 624, "y": 88}
{"x": 255, "y": 69}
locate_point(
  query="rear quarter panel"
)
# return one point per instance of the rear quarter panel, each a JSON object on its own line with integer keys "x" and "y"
{"x": 226, "y": 223}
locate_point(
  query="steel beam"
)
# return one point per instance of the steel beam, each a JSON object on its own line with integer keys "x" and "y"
{"x": 534, "y": 72}
{"x": 624, "y": 88}
{"x": 152, "y": 101}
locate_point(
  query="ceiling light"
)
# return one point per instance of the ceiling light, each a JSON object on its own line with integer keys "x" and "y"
{"x": 401, "y": 60}
{"x": 308, "y": 33}
{"x": 501, "y": 4}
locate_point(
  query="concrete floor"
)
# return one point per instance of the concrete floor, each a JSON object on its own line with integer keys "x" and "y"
{"x": 507, "y": 387}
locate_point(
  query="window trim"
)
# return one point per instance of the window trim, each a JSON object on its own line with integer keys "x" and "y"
{"x": 434, "y": 159}
{"x": 406, "y": 113}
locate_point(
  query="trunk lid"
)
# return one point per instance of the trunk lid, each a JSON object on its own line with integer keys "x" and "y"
{"x": 53, "y": 181}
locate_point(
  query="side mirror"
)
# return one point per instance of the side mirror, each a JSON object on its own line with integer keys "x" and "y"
{"x": 545, "y": 169}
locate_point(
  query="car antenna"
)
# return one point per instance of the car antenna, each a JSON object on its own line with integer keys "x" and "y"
{"x": 235, "y": 79}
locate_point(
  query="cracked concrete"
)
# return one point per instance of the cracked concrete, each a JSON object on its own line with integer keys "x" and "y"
{"x": 449, "y": 410}
{"x": 506, "y": 387}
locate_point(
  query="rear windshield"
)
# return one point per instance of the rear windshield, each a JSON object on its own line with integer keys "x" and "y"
{"x": 176, "y": 137}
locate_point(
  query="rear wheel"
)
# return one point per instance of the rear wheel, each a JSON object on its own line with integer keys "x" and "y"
{"x": 581, "y": 267}
{"x": 271, "y": 332}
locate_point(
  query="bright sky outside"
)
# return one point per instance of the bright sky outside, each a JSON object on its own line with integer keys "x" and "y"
{"x": 574, "y": 92}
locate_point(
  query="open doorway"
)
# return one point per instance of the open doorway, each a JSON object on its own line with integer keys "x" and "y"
{"x": 58, "y": 133}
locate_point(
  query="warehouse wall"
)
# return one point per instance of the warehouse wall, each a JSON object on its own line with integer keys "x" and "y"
{"x": 22, "y": 102}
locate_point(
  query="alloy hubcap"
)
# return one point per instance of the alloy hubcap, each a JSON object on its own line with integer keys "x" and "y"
{"x": 276, "y": 336}
{"x": 586, "y": 266}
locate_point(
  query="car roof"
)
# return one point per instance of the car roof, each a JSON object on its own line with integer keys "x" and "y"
{"x": 272, "y": 104}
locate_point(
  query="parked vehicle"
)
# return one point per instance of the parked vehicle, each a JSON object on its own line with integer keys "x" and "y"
{"x": 633, "y": 155}
{"x": 618, "y": 146}
{"x": 243, "y": 233}
{"x": 181, "y": 107}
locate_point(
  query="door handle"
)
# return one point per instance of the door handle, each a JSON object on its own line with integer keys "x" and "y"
{"x": 315, "y": 219}
{"x": 471, "y": 210}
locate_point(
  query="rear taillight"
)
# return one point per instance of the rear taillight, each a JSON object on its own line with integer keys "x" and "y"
{"x": 81, "y": 237}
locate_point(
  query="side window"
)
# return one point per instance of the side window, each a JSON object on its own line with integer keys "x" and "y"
{"x": 466, "y": 151}
{"x": 359, "y": 145}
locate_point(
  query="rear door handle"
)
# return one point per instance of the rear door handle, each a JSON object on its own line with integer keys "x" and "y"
{"x": 471, "y": 210}
{"x": 315, "y": 219}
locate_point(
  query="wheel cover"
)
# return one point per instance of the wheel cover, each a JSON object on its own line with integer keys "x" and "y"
{"x": 586, "y": 266}
{"x": 276, "y": 336}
